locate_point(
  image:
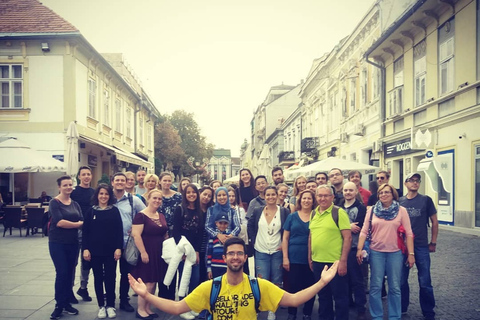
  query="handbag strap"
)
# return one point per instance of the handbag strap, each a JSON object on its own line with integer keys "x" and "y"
{"x": 369, "y": 235}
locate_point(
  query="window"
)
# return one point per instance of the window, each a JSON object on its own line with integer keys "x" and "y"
{"x": 128, "y": 121}
{"x": 419, "y": 117}
{"x": 344, "y": 102}
{"x": 140, "y": 128}
{"x": 420, "y": 72}
{"x": 376, "y": 78}
{"x": 11, "y": 81}
{"x": 446, "y": 49}
{"x": 106, "y": 107}
{"x": 118, "y": 115}
{"x": 447, "y": 107}
{"x": 92, "y": 98}
{"x": 353, "y": 88}
{"x": 398, "y": 72}
{"x": 149, "y": 137}
{"x": 398, "y": 125}
{"x": 364, "y": 87}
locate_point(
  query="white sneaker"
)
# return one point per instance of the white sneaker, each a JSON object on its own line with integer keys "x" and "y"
{"x": 102, "y": 313}
{"x": 271, "y": 315}
{"x": 194, "y": 313}
{"x": 111, "y": 312}
{"x": 187, "y": 315}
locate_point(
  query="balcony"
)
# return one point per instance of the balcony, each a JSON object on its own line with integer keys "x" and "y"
{"x": 309, "y": 144}
{"x": 286, "y": 158}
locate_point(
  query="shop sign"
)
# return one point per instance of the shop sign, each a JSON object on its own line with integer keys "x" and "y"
{"x": 398, "y": 148}
{"x": 59, "y": 157}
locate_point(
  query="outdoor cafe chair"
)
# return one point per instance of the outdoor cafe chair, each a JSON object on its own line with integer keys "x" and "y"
{"x": 13, "y": 219}
{"x": 34, "y": 219}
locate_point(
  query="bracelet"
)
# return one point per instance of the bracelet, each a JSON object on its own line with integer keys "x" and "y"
{"x": 411, "y": 253}
{"x": 433, "y": 244}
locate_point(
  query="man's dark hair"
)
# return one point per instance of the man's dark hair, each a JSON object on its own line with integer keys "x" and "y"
{"x": 83, "y": 168}
{"x": 232, "y": 241}
{"x": 119, "y": 174}
{"x": 111, "y": 199}
{"x": 324, "y": 173}
{"x": 340, "y": 170}
{"x": 311, "y": 179}
{"x": 260, "y": 177}
{"x": 353, "y": 172}
{"x": 276, "y": 169}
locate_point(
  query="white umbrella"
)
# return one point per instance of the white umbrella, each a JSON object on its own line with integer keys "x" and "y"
{"x": 263, "y": 164}
{"x": 16, "y": 156}
{"x": 332, "y": 162}
{"x": 72, "y": 151}
{"x": 233, "y": 179}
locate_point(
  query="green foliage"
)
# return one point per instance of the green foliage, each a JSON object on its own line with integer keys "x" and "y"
{"x": 104, "y": 179}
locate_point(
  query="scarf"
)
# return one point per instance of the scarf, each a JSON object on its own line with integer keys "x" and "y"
{"x": 389, "y": 213}
{"x": 217, "y": 208}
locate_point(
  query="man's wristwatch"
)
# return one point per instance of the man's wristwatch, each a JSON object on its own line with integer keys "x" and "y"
{"x": 432, "y": 244}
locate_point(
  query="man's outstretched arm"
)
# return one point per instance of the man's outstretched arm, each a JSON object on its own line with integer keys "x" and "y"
{"x": 166, "y": 305}
{"x": 296, "y": 299}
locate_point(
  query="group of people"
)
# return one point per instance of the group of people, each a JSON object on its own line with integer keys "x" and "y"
{"x": 302, "y": 239}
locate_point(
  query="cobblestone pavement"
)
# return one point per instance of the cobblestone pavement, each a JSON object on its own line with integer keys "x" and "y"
{"x": 27, "y": 277}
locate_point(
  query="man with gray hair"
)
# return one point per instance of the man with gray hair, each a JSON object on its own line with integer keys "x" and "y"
{"x": 330, "y": 240}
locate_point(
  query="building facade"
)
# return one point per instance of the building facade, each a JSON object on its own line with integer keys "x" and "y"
{"x": 51, "y": 76}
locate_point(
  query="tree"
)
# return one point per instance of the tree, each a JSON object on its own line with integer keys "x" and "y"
{"x": 168, "y": 149}
{"x": 192, "y": 142}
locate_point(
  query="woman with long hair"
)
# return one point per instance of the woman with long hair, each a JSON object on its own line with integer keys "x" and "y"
{"x": 102, "y": 245}
{"x": 149, "y": 229}
{"x": 295, "y": 250}
{"x": 246, "y": 191}
{"x": 206, "y": 201}
{"x": 299, "y": 185}
{"x": 151, "y": 182}
{"x": 282, "y": 189}
{"x": 130, "y": 184}
{"x": 171, "y": 199}
{"x": 188, "y": 222}
{"x": 385, "y": 254}
{"x": 265, "y": 228}
{"x": 183, "y": 183}
{"x": 66, "y": 219}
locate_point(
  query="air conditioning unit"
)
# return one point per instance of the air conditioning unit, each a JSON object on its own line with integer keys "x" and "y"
{"x": 359, "y": 130}
{"x": 343, "y": 137}
{"x": 377, "y": 146}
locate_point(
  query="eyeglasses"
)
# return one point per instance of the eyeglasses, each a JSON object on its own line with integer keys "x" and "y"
{"x": 323, "y": 196}
{"x": 235, "y": 253}
{"x": 384, "y": 192}
{"x": 380, "y": 178}
{"x": 414, "y": 180}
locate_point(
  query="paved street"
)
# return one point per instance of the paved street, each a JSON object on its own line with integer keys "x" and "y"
{"x": 27, "y": 276}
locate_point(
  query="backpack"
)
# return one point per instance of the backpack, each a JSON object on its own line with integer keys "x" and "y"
{"x": 217, "y": 285}
{"x": 334, "y": 214}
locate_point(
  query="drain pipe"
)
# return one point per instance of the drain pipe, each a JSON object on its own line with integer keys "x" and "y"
{"x": 383, "y": 75}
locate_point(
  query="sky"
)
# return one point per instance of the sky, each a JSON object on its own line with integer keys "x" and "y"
{"x": 214, "y": 58}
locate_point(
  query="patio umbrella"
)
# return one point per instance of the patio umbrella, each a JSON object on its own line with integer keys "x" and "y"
{"x": 15, "y": 156}
{"x": 263, "y": 164}
{"x": 327, "y": 164}
{"x": 72, "y": 151}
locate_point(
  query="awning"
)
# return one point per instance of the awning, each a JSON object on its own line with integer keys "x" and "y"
{"x": 121, "y": 155}
{"x": 438, "y": 167}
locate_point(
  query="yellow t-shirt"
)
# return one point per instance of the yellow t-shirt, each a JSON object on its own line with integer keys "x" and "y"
{"x": 235, "y": 302}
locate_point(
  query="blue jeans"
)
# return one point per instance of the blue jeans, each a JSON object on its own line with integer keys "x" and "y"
{"x": 427, "y": 299}
{"x": 338, "y": 289}
{"x": 269, "y": 266}
{"x": 63, "y": 257}
{"x": 355, "y": 280}
{"x": 194, "y": 278}
{"x": 391, "y": 264}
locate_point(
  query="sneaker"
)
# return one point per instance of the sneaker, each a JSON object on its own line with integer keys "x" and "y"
{"x": 102, "y": 313}
{"x": 73, "y": 300}
{"x": 187, "y": 315}
{"x": 194, "y": 313}
{"x": 111, "y": 312}
{"x": 57, "y": 313}
{"x": 84, "y": 294}
{"x": 271, "y": 315}
{"x": 125, "y": 306}
{"x": 70, "y": 310}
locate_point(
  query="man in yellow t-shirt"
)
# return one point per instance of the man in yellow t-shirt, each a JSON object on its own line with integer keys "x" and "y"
{"x": 235, "y": 300}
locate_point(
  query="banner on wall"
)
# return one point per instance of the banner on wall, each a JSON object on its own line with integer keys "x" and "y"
{"x": 440, "y": 173}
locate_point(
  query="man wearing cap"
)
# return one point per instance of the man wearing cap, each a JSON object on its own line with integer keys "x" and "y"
{"x": 420, "y": 208}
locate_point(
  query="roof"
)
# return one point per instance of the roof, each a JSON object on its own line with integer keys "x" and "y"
{"x": 282, "y": 87}
{"x": 31, "y": 16}
{"x": 221, "y": 152}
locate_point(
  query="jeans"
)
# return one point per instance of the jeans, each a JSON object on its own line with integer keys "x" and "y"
{"x": 390, "y": 263}
{"x": 300, "y": 277}
{"x": 355, "y": 281}
{"x": 269, "y": 266}
{"x": 63, "y": 257}
{"x": 336, "y": 289}
{"x": 104, "y": 271}
{"x": 427, "y": 299}
{"x": 125, "y": 269}
{"x": 194, "y": 278}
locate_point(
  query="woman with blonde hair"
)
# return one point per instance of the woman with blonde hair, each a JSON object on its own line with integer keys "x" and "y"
{"x": 282, "y": 189}
{"x": 130, "y": 184}
{"x": 299, "y": 185}
{"x": 151, "y": 182}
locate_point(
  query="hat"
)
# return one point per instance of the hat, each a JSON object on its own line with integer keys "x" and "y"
{"x": 413, "y": 174}
{"x": 222, "y": 218}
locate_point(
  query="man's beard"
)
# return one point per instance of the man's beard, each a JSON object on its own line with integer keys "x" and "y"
{"x": 238, "y": 268}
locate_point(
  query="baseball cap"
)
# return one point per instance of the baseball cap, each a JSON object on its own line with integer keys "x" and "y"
{"x": 222, "y": 218}
{"x": 413, "y": 174}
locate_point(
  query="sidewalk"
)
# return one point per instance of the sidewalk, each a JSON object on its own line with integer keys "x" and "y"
{"x": 27, "y": 279}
